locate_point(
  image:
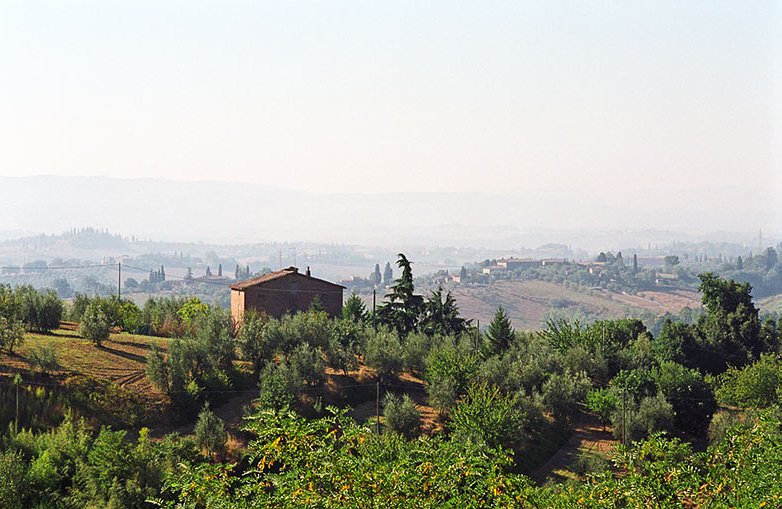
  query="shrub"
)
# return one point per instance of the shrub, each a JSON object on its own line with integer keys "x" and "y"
{"x": 602, "y": 402}
{"x": 105, "y": 401}
{"x": 653, "y": 414}
{"x": 40, "y": 311}
{"x": 401, "y": 415}
{"x": 756, "y": 385}
{"x": 451, "y": 361}
{"x": 43, "y": 359}
{"x": 589, "y": 463}
{"x": 13, "y": 480}
{"x": 279, "y": 385}
{"x": 442, "y": 395}
{"x": 691, "y": 398}
{"x": 210, "y": 432}
{"x": 308, "y": 363}
{"x": 489, "y": 417}
{"x": 94, "y": 324}
{"x": 158, "y": 371}
{"x": 11, "y": 334}
{"x": 415, "y": 351}
{"x": 722, "y": 423}
{"x": 561, "y": 393}
{"x": 384, "y": 354}
{"x": 253, "y": 342}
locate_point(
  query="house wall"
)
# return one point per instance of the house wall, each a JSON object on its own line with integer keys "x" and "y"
{"x": 237, "y": 305}
{"x": 287, "y": 295}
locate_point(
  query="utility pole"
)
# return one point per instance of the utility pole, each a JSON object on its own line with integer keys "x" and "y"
{"x": 624, "y": 416}
{"x": 17, "y": 382}
{"x": 377, "y": 407}
{"x": 119, "y": 280}
{"x": 374, "y": 305}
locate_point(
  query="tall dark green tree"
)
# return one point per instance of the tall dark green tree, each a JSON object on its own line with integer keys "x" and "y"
{"x": 402, "y": 309}
{"x": 500, "y": 332}
{"x": 354, "y": 309}
{"x": 441, "y": 315}
{"x": 730, "y": 329}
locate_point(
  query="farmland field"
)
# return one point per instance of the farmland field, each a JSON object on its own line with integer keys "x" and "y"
{"x": 120, "y": 360}
{"x": 530, "y": 302}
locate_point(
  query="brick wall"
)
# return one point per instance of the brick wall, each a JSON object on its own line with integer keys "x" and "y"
{"x": 289, "y": 294}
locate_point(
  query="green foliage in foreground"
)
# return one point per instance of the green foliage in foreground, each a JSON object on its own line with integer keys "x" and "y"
{"x": 333, "y": 462}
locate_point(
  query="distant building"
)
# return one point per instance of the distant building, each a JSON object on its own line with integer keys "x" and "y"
{"x": 210, "y": 278}
{"x": 494, "y": 269}
{"x": 518, "y": 263}
{"x": 651, "y": 261}
{"x": 596, "y": 267}
{"x": 284, "y": 291}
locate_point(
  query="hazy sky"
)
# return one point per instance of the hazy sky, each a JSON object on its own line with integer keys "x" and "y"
{"x": 360, "y": 96}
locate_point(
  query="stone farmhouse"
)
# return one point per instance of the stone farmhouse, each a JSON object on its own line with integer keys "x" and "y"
{"x": 284, "y": 291}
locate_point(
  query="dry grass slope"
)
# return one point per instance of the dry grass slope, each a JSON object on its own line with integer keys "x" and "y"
{"x": 529, "y": 302}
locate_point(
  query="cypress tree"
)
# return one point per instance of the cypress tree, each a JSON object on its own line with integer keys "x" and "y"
{"x": 500, "y": 333}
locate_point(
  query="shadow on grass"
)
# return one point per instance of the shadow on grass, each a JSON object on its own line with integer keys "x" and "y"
{"x": 133, "y": 344}
{"x": 123, "y": 354}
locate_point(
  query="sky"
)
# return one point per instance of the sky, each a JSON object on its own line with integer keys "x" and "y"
{"x": 587, "y": 98}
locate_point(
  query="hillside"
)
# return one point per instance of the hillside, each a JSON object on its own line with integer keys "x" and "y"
{"x": 530, "y": 302}
{"x": 771, "y": 304}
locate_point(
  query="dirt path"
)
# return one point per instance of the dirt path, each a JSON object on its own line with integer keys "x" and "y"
{"x": 588, "y": 436}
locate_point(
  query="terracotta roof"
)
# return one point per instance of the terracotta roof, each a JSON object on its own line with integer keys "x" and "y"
{"x": 290, "y": 271}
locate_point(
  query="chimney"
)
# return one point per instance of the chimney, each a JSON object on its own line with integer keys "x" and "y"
{"x": 308, "y": 271}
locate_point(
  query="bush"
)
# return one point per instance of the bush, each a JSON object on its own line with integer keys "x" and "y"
{"x": 308, "y": 363}
{"x": 401, "y": 415}
{"x": 279, "y": 385}
{"x": 340, "y": 356}
{"x": 13, "y": 480}
{"x": 723, "y": 422}
{"x": 40, "y": 311}
{"x": 691, "y": 398}
{"x": 253, "y": 342}
{"x": 602, "y": 402}
{"x": 589, "y": 463}
{"x": 43, "y": 359}
{"x": 653, "y": 414}
{"x": 442, "y": 395}
{"x": 561, "y": 393}
{"x": 756, "y": 385}
{"x": 451, "y": 361}
{"x": 416, "y": 349}
{"x": 158, "y": 370}
{"x": 94, "y": 324}
{"x": 384, "y": 354}
{"x": 210, "y": 432}
{"x": 488, "y": 417}
{"x": 11, "y": 334}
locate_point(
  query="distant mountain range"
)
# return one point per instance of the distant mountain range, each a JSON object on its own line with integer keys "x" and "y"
{"x": 225, "y": 212}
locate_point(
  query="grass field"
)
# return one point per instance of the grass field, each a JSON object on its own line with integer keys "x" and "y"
{"x": 121, "y": 360}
